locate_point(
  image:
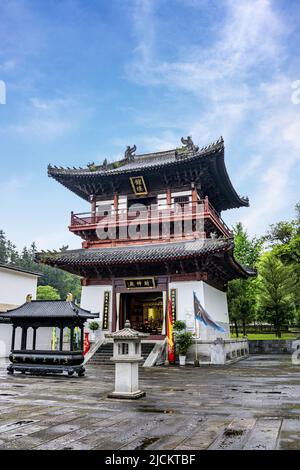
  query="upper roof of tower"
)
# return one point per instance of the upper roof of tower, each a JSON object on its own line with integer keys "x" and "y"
{"x": 175, "y": 168}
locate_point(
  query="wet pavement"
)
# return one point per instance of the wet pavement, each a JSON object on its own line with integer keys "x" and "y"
{"x": 252, "y": 404}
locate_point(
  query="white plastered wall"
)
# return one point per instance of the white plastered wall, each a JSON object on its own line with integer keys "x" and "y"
{"x": 15, "y": 286}
{"x": 92, "y": 298}
{"x": 214, "y": 302}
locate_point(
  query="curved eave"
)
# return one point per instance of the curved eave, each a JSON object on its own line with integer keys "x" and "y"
{"x": 224, "y": 182}
{"x": 242, "y": 271}
{"x": 76, "y": 179}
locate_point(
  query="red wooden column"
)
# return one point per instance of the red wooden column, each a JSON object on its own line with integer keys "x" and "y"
{"x": 194, "y": 200}
{"x": 169, "y": 197}
{"x": 116, "y": 210}
{"x": 116, "y": 202}
{"x": 169, "y": 205}
{"x": 206, "y": 205}
{"x": 93, "y": 208}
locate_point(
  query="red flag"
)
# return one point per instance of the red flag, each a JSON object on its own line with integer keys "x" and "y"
{"x": 171, "y": 348}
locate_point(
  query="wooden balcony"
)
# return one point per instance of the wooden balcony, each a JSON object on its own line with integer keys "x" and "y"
{"x": 198, "y": 219}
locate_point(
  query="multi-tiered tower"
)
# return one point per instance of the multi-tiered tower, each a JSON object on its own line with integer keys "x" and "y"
{"x": 153, "y": 237}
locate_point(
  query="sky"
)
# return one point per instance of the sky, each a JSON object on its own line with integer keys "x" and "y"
{"x": 86, "y": 78}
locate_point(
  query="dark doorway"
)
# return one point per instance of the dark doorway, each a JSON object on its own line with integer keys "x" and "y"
{"x": 143, "y": 310}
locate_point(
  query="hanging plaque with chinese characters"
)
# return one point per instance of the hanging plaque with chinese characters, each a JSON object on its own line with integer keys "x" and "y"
{"x": 138, "y": 185}
{"x": 105, "y": 310}
{"x": 140, "y": 283}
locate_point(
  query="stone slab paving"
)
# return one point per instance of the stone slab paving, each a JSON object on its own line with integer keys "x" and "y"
{"x": 252, "y": 404}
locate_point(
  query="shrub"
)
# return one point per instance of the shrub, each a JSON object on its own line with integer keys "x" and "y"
{"x": 93, "y": 325}
{"x": 179, "y": 325}
{"x": 183, "y": 341}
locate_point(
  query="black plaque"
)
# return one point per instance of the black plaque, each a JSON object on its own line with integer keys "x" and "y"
{"x": 173, "y": 296}
{"x": 138, "y": 185}
{"x": 140, "y": 283}
{"x": 105, "y": 310}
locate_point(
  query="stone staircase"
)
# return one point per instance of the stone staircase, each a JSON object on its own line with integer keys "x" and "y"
{"x": 105, "y": 352}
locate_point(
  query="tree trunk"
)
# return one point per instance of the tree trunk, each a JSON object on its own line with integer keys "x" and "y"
{"x": 244, "y": 328}
{"x": 236, "y": 328}
{"x": 279, "y": 332}
{"x": 277, "y": 323}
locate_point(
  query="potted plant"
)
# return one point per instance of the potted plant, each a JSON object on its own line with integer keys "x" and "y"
{"x": 179, "y": 325}
{"x": 183, "y": 340}
{"x": 93, "y": 326}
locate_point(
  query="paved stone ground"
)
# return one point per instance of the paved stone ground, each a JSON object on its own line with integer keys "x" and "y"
{"x": 252, "y": 404}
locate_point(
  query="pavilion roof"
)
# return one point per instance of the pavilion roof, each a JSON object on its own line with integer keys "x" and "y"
{"x": 173, "y": 168}
{"x": 49, "y": 309}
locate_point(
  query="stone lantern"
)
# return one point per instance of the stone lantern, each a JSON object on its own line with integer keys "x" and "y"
{"x": 126, "y": 356}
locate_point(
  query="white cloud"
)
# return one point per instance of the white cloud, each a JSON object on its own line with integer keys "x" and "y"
{"x": 7, "y": 65}
{"x": 13, "y": 185}
{"x": 241, "y": 94}
{"x": 45, "y": 119}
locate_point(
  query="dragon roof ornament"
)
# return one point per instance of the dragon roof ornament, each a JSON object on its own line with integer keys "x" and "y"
{"x": 189, "y": 144}
{"x": 130, "y": 153}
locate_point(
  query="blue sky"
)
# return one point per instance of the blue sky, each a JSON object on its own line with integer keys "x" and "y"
{"x": 85, "y": 78}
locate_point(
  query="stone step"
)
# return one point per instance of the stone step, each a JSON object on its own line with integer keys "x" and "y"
{"x": 105, "y": 352}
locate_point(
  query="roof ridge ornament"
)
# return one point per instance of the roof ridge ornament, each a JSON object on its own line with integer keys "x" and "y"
{"x": 130, "y": 153}
{"x": 92, "y": 166}
{"x": 189, "y": 144}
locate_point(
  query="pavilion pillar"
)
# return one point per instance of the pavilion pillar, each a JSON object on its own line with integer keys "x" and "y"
{"x": 13, "y": 338}
{"x": 61, "y": 338}
{"x": 34, "y": 338}
{"x": 24, "y": 337}
{"x": 72, "y": 338}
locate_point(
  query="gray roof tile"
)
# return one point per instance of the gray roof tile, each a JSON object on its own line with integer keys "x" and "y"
{"x": 49, "y": 309}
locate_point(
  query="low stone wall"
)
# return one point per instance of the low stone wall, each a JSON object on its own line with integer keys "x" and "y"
{"x": 273, "y": 346}
{"x": 218, "y": 352}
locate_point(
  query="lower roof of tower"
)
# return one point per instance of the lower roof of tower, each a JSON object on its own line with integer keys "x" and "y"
{"x": 212, "y": 255}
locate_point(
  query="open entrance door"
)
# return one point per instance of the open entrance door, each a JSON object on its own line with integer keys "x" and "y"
{"x": 144, "y": 311}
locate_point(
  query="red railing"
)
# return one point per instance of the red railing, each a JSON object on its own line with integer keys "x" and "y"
{"x": 201, "y": 209}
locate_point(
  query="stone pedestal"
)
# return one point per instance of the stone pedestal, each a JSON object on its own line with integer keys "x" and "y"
{"x": 127, "y": 379}
{"x": 218, "y": 353}
{"x": 126, "y": 356}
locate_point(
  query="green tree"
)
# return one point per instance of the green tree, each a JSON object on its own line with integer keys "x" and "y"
{"x": 281, "y": 232}
{"x": 276, "y": 292}
{"x": 285, "y": 245}
{"x": 246, "y": 250}
{"x": 241, "y": 292}
{"x": 3, "y": 248}
{"x": 47, "y": 293}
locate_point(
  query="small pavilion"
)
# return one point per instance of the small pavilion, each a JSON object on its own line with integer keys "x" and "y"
{"x": 47, "y": 337}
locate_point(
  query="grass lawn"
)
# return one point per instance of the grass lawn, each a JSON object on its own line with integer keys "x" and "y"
{"x": 267, "y": 336}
